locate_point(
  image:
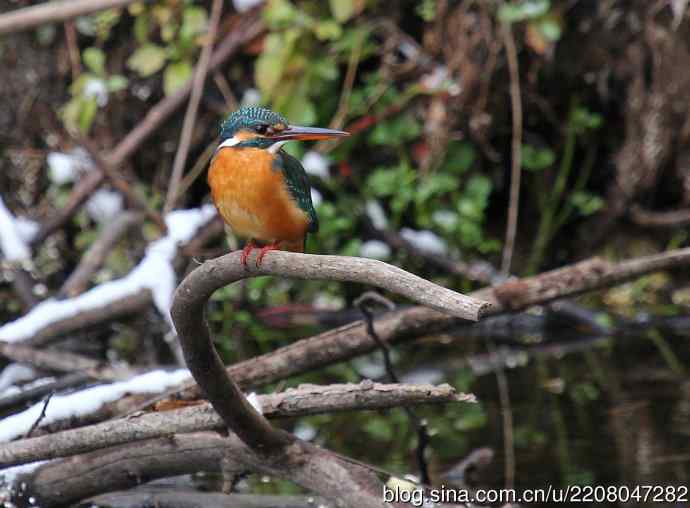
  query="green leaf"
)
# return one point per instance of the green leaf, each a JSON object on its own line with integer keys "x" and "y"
{"x": 523, "y": 10}
{"x": 300, "y": 109}
{"x": 194, "y": 22}
{"x": 583, "y": 119}
{"x": 141, "y": 28}
{"x": 379, "y": 428}
{"x": 386, "y": 181}
{"x": 550, "y": 28}
{"x": 270, "y": 65}
{"x": 94, "y": 59}
{"x": 434, "y": 185}
{"x": 586, "y": 203}
{"x": 279, "y": 13}
{"x": 87, "y": 113}
{"x": 478, "y": 188}
{"x": 460, "y": 156}
{"x": 396, "y": 131}
{"x": 116, "y": 83}
{"x": 70, "y": 113}
{"x": 77, "y": 86}
{"x": 342, "y": 9}
{"x": 175, "y": 76}
{"x": 327, "y": 30}
{"x": 426, "y": 10}
{"x": 536, "y": 159}
{"x": 147, "y": 60}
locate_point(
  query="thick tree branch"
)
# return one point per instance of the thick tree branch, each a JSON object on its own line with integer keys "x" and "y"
{"x": 203, "y": 361}
{"x": 301, "y": 401}
{"x": 348, "y": 341}
{"x": 53, "y": 12}
{"x": 60, "y": 361}
{"x": 65, "y": 482}
{"x": 282, "y": 452}
{"x": 351, "y": 340}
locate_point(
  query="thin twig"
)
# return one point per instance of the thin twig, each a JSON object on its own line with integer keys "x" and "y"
{"x": 197, "y": 169}
{"x": 231, "y": 103}
{"x": 81, "y": 192}
{"x": 419, "y": 424}
{"x": 507, "y": 417}
{"x": 72, "y": 48}
{"x": 516, "y": 163}
{"x": 40, "y": 417}
{"x": 121, "y": 184}
{"x": 192, "y": 107}
{"x": 248, "y": 28}
{"x": 99, "y": 250}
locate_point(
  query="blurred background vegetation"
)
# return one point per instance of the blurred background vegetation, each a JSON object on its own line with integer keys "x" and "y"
{"x": 425, "y": 88}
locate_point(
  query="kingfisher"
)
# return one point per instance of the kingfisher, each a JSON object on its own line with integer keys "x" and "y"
{"x": 262, "y": 192}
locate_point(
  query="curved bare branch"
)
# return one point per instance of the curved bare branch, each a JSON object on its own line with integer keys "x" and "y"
{"x": 326, "y": 473}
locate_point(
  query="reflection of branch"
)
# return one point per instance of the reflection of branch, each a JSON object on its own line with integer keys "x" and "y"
{"x": 287, "y": 455}
{"x": 300, "y": 401}
{"x": 420, "y": 426}
{"x": 192, "y": 498}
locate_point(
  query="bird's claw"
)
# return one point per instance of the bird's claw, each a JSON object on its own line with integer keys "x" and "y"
{"x": 246, "y": 252}
{"x": 264, "y": 250}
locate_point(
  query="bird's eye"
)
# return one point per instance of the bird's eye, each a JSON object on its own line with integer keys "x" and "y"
{"x": 261, "y": 128}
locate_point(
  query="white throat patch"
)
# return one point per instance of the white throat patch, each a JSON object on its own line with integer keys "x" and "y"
{"x": 229, "y": 142}
{"x": 276, "y": 146}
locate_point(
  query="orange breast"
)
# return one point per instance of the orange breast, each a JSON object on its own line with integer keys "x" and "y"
{"x": 252, "y": 198}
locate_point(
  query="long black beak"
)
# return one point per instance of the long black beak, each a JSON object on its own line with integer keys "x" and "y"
{"x": 307, "y": 133}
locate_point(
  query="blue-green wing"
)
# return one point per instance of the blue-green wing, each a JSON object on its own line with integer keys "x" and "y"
{"x": 298, "y": 184}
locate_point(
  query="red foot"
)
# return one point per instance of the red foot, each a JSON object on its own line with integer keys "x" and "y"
{"x": 264, "y": 250}
{"x": 247, "y": 251}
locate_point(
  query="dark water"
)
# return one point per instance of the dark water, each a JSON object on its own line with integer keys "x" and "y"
{"x": 591, "y": 405}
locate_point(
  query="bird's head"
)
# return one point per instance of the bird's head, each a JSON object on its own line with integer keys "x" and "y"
{"x": 262, "y": 128}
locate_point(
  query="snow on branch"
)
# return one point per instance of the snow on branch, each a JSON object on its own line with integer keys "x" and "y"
{"x": 300, "y": 401}
{"x": 155, "y": 272}
{"x": 85, "y": 402}
{"x": 15, "y": 233}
